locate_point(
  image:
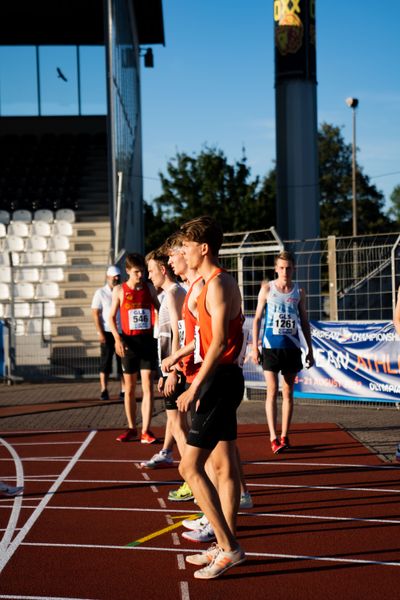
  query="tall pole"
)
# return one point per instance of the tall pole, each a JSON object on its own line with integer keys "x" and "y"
{"x": 353, "y": 103}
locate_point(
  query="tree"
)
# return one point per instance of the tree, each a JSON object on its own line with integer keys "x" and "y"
{"x": 335, "y": 162}
{"x": 208, "y": 184}
{"x": 394, "y": 210}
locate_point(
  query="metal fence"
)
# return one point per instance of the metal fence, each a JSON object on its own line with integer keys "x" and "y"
{"x": 345, "y": 278}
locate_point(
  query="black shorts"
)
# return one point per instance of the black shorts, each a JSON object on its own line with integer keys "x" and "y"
{"x": 170, "y": 401}
{"x": 107, "y": 351}
{"x": 140, "y": 353}
{"x": 215, "y": 419}
{"x": 286, "y": 360}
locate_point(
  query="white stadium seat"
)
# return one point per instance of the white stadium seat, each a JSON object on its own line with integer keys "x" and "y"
{"x": 14, "y": 243}
{"x": 22, "y": 215}
{"x": 59, "y": 242}
{"x": 19, "y": 327}
{"x": 33, "y": 258}
{"x": 52, "y": 274}
{"x": 27, "y": 274}
{"x": 47, "y": 289}
{"x": 22, "y": 310}
{"x": 19, "y": 228}
{"x": 65, "y": 214}
{"x": 48, "y": 308}
{"x": 62, "y": 228}
{"x": 3, "y": 230}
{"x": 24, "y": 290}
{"x": 36, "y": 242}
{"x": 4, "y": 291}
{"x": 41, "y": 228}
{"x": 56, "y": 257}
{"x": 38, "y": 326}
{"x": 43, "y": 214}
{"x": 5, "y": 274}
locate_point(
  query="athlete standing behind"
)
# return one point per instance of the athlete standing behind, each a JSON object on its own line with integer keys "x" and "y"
{"x": 284, "y": 306}
{"x": 136, "y": 302}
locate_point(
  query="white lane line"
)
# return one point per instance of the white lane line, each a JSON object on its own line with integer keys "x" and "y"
{"x": 246, "y": 514}
{"x": 184, "y": 590}
{"x": 191, "y": 550}
{"x": 181, "y": 562}
{"x": 249, "y": 484}
{"x": 154, "y": 489}
{"x": 175, "y": 539}
{"x": 5, "y": 557}
{"x": 161, "y": 502}
{"x": 324, "y": 487}
{"x": 17, "y": 501}
{"x": 47, "y": 444}
{"x": 284, "y": 463}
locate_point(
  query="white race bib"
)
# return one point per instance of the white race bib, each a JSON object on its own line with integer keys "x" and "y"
{"x": 284, "y": 324}
{"x": 181, "y": 332}
{"x": 139, "y": 319}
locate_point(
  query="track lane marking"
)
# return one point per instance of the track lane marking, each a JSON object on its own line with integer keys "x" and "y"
{"x": 334, "y": 559}
{"x": 162, "y": 531}
{"x": 16, "y": 501}
{"x": 5, "y": 556}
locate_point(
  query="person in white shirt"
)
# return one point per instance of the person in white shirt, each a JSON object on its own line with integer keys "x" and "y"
{"x": 101, "y": 305}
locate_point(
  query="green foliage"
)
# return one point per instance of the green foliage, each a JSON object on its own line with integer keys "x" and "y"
{"x": 394, "y": 210}
{"x": 208, "y": 184}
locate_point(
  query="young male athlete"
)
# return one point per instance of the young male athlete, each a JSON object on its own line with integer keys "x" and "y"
{"x": 173, "y": 382}
{"x": 216, "y": 392}
{"x": 136, "y": 302}
{"x": 283, "y": 304}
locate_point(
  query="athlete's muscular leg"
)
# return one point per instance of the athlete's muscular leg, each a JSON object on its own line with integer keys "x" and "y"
{"x": 147, "y": 397}
{"x": 271, "y": 380}
{"x": 178, "y": 427}
{"x": 192, "y": 470}
{"x": 225, "y": 466}
{"x": 130, "y": 398}
{"x": 287, "y": 401}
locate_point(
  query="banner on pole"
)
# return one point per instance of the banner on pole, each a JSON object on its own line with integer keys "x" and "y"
{"x": 353, "y": 361}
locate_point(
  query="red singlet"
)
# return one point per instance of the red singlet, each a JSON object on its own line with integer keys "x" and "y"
{"x": 137, "y": 310}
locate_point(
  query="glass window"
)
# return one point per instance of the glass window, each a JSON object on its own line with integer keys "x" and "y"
{"x": 18, "y": 81}
{"x": 58, "y": 80}
{"x": 93, "y": 80}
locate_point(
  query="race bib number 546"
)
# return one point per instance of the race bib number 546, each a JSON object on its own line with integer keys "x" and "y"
{"x": 139, "y": 318}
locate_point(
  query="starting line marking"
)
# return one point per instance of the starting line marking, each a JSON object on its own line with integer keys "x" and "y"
{"x": 161, "y": 531}
{"x": 191, "y": 551}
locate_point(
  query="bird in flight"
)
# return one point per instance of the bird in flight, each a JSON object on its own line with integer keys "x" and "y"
{"x": 61, "y": 75}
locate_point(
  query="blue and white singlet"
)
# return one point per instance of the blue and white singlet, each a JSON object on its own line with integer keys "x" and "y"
{"x": 281, "y": 319}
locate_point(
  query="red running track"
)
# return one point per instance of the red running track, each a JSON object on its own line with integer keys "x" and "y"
{"x": 325, "y": 522}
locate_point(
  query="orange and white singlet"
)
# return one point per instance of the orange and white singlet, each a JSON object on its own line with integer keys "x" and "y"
{"x": 137, "y": 310}
{"x": 187, "y": 327}
{"x": 235, "y": 343}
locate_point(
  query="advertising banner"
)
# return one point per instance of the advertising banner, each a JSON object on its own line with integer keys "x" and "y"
{"x": 353, "y": 361}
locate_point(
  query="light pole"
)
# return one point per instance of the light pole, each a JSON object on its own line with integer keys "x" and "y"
{"x": 353, "y": 103}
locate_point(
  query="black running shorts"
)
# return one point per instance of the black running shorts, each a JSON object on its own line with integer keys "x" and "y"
{"x": 107, "y": 351}
{"x": 215, "y": 419}
{"x": 140, "y": 353}
{"x": 285, "y": 360}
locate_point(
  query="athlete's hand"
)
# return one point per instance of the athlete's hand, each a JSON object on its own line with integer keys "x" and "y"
{"x": 160, "y": 384}
{"x": 170, "y": 383}
{"x": 120, "y": 348}
{"x": 309, "y": 360}
{"x": 185, "y": 400}
{"x": 167, "y": 363}
{"x": 255, "y": 355}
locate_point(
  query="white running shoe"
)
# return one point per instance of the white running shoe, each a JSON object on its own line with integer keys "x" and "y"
{"x": 194, "y": 524}
{"x": 203, "y": 535}
{"x": 161, "y": 459}
{"x": 222, "y": 561}
{"x": 205, "y": 558}
{"x": 246, "y": 500}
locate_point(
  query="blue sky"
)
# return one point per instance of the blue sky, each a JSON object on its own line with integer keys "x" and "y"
{"x": 213, "y": 83}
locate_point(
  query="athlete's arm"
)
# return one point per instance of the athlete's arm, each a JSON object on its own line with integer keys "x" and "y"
{"x": 96, "y": 313}
{"x": 221, "y": 297}
{"x": 261, "y": 301}
{"x": 112, "y": 320}
{"x": 170, "y": 361}
{"x": 174, "y": 300}
{"x": 305, "y": 326}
